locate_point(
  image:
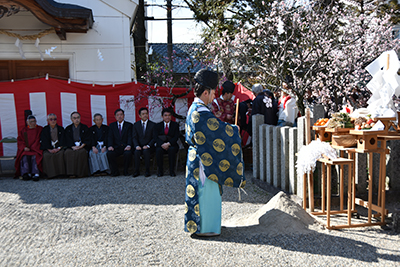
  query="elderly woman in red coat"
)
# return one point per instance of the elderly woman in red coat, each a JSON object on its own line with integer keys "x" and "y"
{"x": 28, "y": 162}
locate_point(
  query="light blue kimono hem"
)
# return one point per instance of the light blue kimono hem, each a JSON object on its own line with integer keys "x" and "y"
{"x": 210, "y": 204}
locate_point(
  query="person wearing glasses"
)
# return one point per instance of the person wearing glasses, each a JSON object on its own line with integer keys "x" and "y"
{"x": 52, "y": 143}
{"x": 28, "y": 162}
{"x": 77, "y": 141}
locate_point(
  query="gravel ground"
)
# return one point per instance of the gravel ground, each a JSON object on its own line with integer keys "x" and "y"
{"x": 125, "y": 221}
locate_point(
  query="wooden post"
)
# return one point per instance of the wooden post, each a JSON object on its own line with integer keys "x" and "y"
{"x": 323, "y": 187}
{"x": 305, "y": 191}
{"x": 349, "y": 189}
{"x": 370, "y": 172}
{"x": 328, "y": 195}
{"x": 307, "y": 127}
{"x": 383, "y": 184}
{"x": 341, "y": 181}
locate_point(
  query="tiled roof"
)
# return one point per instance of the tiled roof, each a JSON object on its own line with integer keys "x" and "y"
{"x": 183, "y": 50}
{"x": 61, "y": 5}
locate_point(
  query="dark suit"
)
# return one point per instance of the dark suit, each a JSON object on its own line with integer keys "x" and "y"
{"x": 160, "y": 138}
{"x": 141, "y": 139}
{"x": 119, "y": 142}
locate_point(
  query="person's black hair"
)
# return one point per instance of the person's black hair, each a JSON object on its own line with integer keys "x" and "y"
{"x": 169, "y": 110}
{"x": 97, "y": 114}
{"x": 75, "y": 112}
{"x": 143, "y": 108}
{"x": 228, "y": 87}
{"x": 118, "y": 110}
{"x": 26, "y": 114}
{"x": 30, "y": 117}
{"x": 199, "y": 89}
{"x": 269, "y": 93}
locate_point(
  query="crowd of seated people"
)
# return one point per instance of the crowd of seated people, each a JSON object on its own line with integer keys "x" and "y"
{"x": 80, "y": 151}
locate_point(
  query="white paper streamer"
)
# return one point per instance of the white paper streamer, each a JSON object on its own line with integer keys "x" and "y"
{"x": 99, "y": 55}
{"x": 18, "y": 44}
{"x": 384, "y": 84}
{"x": 48, "y": 51}
{"x": 38, "y": 48}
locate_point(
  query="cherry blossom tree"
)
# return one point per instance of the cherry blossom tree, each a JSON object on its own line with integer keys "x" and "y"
{"x": 157, "y": 75}
{"x": 320, "y": 49}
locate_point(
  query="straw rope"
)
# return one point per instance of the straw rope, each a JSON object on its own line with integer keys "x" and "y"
{"x": 28, "y": 37}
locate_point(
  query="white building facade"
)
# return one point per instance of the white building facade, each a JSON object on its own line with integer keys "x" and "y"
{"x": 104, "y": 54}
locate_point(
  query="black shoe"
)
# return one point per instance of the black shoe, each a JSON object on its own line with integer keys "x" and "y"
{"x": 35, "y": 178}
{"x": 172, "y": 174}
{"x": 147, "y": 174}
{"x": 115, "y": 174}
{"x": 26, "y": 177}
{"x": 159, "y": 175}
{"x": 126, "y": 174}
{"x": 136, "y": 174}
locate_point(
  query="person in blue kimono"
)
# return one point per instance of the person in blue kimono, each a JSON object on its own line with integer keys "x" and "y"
{"x": 214, "y": 159}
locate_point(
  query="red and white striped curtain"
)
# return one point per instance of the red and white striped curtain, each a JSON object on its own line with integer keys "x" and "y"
{"x": 61, "y": 98}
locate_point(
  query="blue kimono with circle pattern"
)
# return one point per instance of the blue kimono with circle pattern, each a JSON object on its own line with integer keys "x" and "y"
{"x": 216, "y": 144}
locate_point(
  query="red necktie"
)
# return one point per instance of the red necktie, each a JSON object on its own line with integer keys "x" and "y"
{"x": 166, "y": 129}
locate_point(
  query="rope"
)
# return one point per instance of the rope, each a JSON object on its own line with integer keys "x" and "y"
{"x": 28, "y": 37}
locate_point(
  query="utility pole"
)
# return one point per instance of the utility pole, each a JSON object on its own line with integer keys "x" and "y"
{"x": 169, "y": 33}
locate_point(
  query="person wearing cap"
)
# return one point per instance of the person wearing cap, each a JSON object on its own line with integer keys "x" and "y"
{"x": 28, "y": 162}
{"x": 223, "y": 107}
{"x": 214, "y": 159}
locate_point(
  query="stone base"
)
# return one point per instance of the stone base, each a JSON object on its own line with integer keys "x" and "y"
{"x": 396, "y": 221}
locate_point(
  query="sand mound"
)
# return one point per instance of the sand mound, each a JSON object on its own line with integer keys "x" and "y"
{"x": 280, "y": 215}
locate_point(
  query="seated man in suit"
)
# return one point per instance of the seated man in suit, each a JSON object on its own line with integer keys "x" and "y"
{"x": 98, "y": 161}
{"x": 77, "y": 143}
{"x": 143, "y": 141}
{"x": 166, "y": 134}
{"x": 119, "y": 142}
{"x": 52, "y": 142}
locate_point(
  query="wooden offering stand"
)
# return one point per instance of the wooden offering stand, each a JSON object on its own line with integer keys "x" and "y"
{"x": 367, "y": 142}
{"x": 366, "y": 139}
{"x": 322, "y": 134}
{"x": 325, "y": 134}
{"x": 326, "y": 192}
{"x": 389, "y": 122}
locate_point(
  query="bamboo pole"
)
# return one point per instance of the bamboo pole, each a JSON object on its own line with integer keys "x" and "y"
{"x": 237, "y": 111}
